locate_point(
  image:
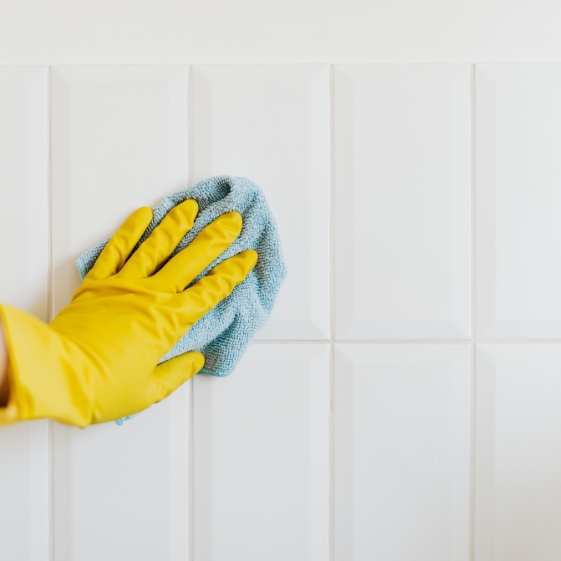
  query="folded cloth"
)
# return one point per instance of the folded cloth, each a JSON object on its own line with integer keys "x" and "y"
{"x": 223, "y": 334}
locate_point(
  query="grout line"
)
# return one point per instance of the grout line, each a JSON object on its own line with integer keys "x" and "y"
{"x": 361, "y": 342}
{"x": 518, "y": 341}
{"x": 50, "y": 280}
{"x": 190, "y": 91}
{"x": 473, "y": 316}
{"x": 472, "y": 456}
{"x": 331, "y": 209}
{"x": 190, "y": 479}
{"x": 50, "y": 308}
{"x": 473, "y": 209}
{"x": 408, "y": 342}
{"x": 51, "y": 479}
{"x": 331, "y": 455}
{"x": 191, "y": 430}
{"x": 291, "y": 342}
{"x": 331, "y": 420}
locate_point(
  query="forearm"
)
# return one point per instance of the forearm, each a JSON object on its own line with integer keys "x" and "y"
{"x": 4, "y": 386}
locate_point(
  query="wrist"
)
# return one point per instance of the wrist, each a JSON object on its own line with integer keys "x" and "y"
{"x": 4, "y": 381}
{"x": 39, "y": 362}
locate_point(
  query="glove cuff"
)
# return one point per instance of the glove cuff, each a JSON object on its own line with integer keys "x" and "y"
{"x": 39, "y": 385}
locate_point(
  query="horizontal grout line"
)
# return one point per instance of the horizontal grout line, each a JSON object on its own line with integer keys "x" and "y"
{"x": 292, "y": 342}
{"x": 518, "y": 341}
{"x": 405, "y": 341}
{"x": 366, "y": 341}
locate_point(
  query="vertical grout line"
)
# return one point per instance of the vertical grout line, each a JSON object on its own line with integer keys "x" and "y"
{"x": 473, "y": 217}
{"x": 189, "y": 125}
{"x": 191, "y": 429}
{"x": 472, "y": 456}
{"x": 49, "y": 204}
{"x": 50, "y": 307}
{"x": 473, "y": 321}
{"x": 190, "y": 464}
{"x": 331, "y": 213}
{"x": 331, "y": 420}
{"x": 331, "y": 514}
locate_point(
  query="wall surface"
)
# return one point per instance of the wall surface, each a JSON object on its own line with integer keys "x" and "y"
{"x": 403, "y": 402}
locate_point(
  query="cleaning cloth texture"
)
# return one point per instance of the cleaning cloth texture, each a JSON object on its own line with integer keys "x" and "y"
{"x": 223, "y": 334}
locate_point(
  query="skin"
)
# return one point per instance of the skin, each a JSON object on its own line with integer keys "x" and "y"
{"x": 4, "y": 387}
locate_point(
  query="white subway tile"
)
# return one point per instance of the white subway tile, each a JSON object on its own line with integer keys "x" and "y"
{"x": 518, "y": 452}
{"x": 24, "y": 203}
{"x": 24, "y": 254}
{"x": 402, "y": 452}
{"x": 261, "y": 457}
{"x": 119, "y": 141}
{"x": 518, "y": 142}
{"x": 122, "y": 492}
{"x": 271, "y": 123}
{"x": 402, "y": 201}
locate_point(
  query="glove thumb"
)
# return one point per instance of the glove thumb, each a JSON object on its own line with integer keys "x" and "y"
{"x": 171, "y": 374}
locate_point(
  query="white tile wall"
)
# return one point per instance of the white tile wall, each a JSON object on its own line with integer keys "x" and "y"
{"x": 119, "y": 141}
{"x": 24, "y": 262}
{"x": 402, "y": 206}
{"x": 261, "y": 453}
{"x": 518, "y": 453}
{"x": 299, "y": 456}
{"x": 122, "y": 492}
{"x": 402, "y": 452}
{"x": 271, "y": 123}
{"x": 518, "y": 197}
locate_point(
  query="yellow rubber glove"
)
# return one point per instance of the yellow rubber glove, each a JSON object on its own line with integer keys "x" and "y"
{"x": 97, "y": 360}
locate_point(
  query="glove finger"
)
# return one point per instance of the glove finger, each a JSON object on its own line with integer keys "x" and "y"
{"x": 199, "y": 254}
{"x": 217, "y": 285}
{"x": 171, "y": 374}
{"x": 120, "y": 246}
{"x": 162, "y": 241}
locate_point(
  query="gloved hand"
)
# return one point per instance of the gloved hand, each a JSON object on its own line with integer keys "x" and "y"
{"x": 97, "y": 360}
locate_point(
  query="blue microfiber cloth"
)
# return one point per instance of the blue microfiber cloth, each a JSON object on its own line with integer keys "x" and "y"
{"x": 223, "y": 334}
